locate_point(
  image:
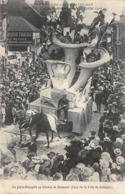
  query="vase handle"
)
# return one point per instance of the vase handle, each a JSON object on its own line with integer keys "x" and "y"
{"x": 65, "y": 68}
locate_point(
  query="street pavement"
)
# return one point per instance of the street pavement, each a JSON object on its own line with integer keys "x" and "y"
{"x": 11, "y": 133}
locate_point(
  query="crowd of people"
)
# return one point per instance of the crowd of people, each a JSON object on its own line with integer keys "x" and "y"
{"x": 20, "y": 85}
{"x": 99, "y": 157}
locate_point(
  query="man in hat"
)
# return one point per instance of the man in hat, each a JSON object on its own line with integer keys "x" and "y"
{"x": 58, "y": 177}
{"x": 118, "y": 143}
{"x": 63, "y": 105}
{"x": 44, "y": 51}
{"x": 32, "y": 146}
{"x": 72, "y": 177}
{"x": 98, "y": 98}
{"x": 120, "y": 165}
{"x": 102, "y": 120}
{"x": 105, "y": 170}
{"x": 78, "y": 38}
{"x": 57, "y": 164}
{"x": 91, "y": 56}
{"x": 46, "y": 175}
{"x": 93, "y": 134}
{"x": 3, "y": 114}
{"x": 123, "y": 146}
{"x": 86, "y": 173}
{"x": 67, "y": 38}
{"x": 80, "y": 19}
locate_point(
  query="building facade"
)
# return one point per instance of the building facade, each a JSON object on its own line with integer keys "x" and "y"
{"x": 120, "y": 38}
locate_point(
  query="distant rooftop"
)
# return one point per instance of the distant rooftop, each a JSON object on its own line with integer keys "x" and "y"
{"x": 25, "y": 10}
{"x": 18, "y": 23}
{"x": 38, "y": 2}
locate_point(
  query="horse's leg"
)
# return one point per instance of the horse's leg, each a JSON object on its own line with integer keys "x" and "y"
{"x": 20, "y": 135}
{"x": 52, "y": 136}
{"x": 37, "y": 134}
{"x": 58, "y": 133}
{"x": 57, "y": 127}
{"x": 30, "y": 132}
{"x": 47, "y": 136}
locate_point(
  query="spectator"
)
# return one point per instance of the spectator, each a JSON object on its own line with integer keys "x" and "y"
{"x": 3, "y": 113}
{"x": 98, "y": 98}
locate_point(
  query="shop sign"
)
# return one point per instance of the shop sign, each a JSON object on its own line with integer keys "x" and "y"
{"x": 19, "y": 38}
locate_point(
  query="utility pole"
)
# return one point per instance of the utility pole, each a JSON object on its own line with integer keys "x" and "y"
{"x": 112, "y": 61}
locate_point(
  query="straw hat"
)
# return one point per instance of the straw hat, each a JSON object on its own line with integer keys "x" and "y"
{"x": 44, "y": 157}
{"x": 75, "y": 170}
{"x": 72, "y": 177}
{"x": 99, "y": 147}
{"x": 36, "y": 159}
{"x": 87, "y": 172}
{"x": 58, "y": 177}
{"x": 123, "y": 136}
{"x": 104, "y": 163}
{"x": 116, "y": 128}
{"x": 105, "y": 155}
{"x": 119, "y": 140}
{"x": 81, "y": 166}
{"x": 117, "y": 152}
{"x": 112, "y": 177}
{"x": 107, "y": 139}
{"x": 120, "y": 160}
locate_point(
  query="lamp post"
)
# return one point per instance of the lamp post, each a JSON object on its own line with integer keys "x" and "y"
{"x": 112, "y": 48}
{"x": 117, "y": 43}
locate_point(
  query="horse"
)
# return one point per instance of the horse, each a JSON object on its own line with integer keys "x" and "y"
{"x": 42, "y": 123}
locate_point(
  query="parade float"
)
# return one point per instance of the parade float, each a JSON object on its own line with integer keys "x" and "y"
{"x": 65, "y": 79}
{"x": 62, "y": 74}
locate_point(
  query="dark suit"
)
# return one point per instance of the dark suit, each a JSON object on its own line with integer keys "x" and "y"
{"x": 63, "y": 104}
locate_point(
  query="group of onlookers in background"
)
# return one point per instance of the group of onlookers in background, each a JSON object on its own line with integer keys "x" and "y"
{"x": 20, "y": 86}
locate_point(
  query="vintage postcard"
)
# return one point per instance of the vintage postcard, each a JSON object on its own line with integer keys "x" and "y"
{"x": 62, "y": 102}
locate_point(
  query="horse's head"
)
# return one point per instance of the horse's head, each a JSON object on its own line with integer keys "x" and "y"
{"x": 30, "y": 113}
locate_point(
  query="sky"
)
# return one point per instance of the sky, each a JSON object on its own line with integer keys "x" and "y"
{"x": 117, "y": 6}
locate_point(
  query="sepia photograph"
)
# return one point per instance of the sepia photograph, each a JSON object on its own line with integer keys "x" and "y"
{"x": 62, "y": 92}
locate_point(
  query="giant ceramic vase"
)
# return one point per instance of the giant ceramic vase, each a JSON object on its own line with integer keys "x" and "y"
{"x": 71, "y": 53}
{"x": 88, "y": 68}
